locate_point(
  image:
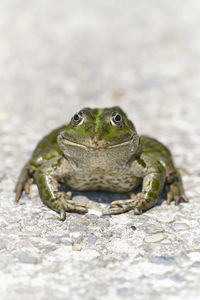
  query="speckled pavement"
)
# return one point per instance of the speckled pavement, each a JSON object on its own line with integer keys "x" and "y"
{"x": 55, "y": 58}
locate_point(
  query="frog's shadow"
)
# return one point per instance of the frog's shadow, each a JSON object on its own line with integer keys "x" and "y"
{"x": 107, "y": 197}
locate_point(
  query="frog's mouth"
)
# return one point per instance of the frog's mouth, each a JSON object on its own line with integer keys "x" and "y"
{"x": 95, "y": 144}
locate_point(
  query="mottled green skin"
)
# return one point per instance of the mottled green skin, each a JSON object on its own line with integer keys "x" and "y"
{"x": 99, "y": 153}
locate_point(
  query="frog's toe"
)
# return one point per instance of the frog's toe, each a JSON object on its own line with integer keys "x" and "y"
{"x": 120, "y": 203}
{"x": 18, "y": 192}
{"x": 62, "y": 215}
{"x": 176, "y": 194}
{"x": 27, "y": 185}
{"x": 121, "y": 206}
{"x": 116, "y": 210}
{"x": 67, "y": 204}
{"x": 22, "y": 186}
{"x": 184, "y": 198}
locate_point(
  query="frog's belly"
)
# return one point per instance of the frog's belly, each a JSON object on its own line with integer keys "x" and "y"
{"x": 106, "y": 182}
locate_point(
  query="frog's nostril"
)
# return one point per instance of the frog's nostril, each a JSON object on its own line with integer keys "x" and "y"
{"x": 95, "y": 139}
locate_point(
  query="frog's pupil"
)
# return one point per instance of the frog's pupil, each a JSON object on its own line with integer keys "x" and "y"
{"x": 76, "y": 117}
{"x": 117, "y": 118}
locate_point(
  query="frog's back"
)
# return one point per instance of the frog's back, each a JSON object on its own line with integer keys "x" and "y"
{"x": 156, "y": 150}
{"x": 46, "y": 149}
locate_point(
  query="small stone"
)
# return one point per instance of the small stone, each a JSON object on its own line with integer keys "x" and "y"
{"x": 92, "y": 238}
{"x": 66, "y": 240}
{"x": 34, "y": 239}
{"x": 194, "y": 256}
{"x": 133, "y": 228}
{"x": 12, "y": 228}
{"x": 2, "y": 244}
{"x": 77, "y": 226}
{"x": 26, "y": 258}
{"x": 54, "y": 239}
{"x": 35, "y": 216}
{"x": 76, "y": 237}
{"x": 125, "y": 292}
{"x": 154, "y": 238}
{"x": 104, "y": 223}
{"x": 166, "y": 260}
{"x": 166, "y": 219}
{"x": 180, "y": 226}
{"x": 153, "y": 229}
{"x": 47, "y": 247}
{"x": 77, "y": 247}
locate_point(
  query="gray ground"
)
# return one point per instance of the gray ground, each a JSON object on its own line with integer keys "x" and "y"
{"x": 56, "y": 57}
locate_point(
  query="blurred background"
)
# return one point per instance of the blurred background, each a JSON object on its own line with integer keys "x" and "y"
{"x": 57, "y": 57}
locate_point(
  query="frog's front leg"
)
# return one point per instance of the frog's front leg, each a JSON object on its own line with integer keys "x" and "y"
{"x": 47, "y": 178}
{"x": 152, "y": 187}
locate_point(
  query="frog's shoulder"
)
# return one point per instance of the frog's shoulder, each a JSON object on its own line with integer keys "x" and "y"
{"x": 47, "y": 148}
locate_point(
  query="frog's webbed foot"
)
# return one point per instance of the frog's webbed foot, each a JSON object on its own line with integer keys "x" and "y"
{"x": 176, "y": 193}
{"x": 121, "y": 206}
{"x": 24, "y": 182}
{"x": 64, "y": 203}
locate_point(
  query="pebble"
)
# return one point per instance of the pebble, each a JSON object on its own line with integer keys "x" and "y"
{"x": 103, "y": 223}
{"x": 76, "y": 247}
{"x": 166, "y": 260}
{"x": 54, "y": 239}
{"x": 150, "y": 228}
{"x": 125, "y": 292}
{"x": 92, "y": 238}
{"x": 180, "y": 226}
{"x": 26, "y": 258}
{"x": 12, "y": 228}
{"x": 194, "y": 256}
{"x": 78, "y": 226}
{"x": 166, "y": 219}
{"x": 154, "y": 238}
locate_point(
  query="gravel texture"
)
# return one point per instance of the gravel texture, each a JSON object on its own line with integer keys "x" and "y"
{"x": 55, "y": 58}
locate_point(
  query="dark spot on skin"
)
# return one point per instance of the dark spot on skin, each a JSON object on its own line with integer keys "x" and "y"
{"x": 159, "y": 169}
{"x": 141, "y": 162}
{"x": 143, "y": 203}
{"x": 155, "y": 184}
{"x": 42, "y": 179}
{"x": 152, "y": 195}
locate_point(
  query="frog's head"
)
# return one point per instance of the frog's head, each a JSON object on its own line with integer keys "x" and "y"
{"x": 99, "y": 129}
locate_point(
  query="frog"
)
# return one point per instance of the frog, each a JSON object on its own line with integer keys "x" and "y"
{"x": 100, "y": 150}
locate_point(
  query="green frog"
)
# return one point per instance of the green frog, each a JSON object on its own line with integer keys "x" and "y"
{"x": 100, "y": 150}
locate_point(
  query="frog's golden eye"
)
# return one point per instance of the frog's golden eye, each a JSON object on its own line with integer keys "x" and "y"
{"x": 116, "y": 118}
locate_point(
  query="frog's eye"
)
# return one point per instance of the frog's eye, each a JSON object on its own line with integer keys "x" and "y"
{"x": 116, "y": 118}
{"x": 77, "y": 118}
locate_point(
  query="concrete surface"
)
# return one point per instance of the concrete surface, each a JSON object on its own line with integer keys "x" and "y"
{"x": 56, "y": 57}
